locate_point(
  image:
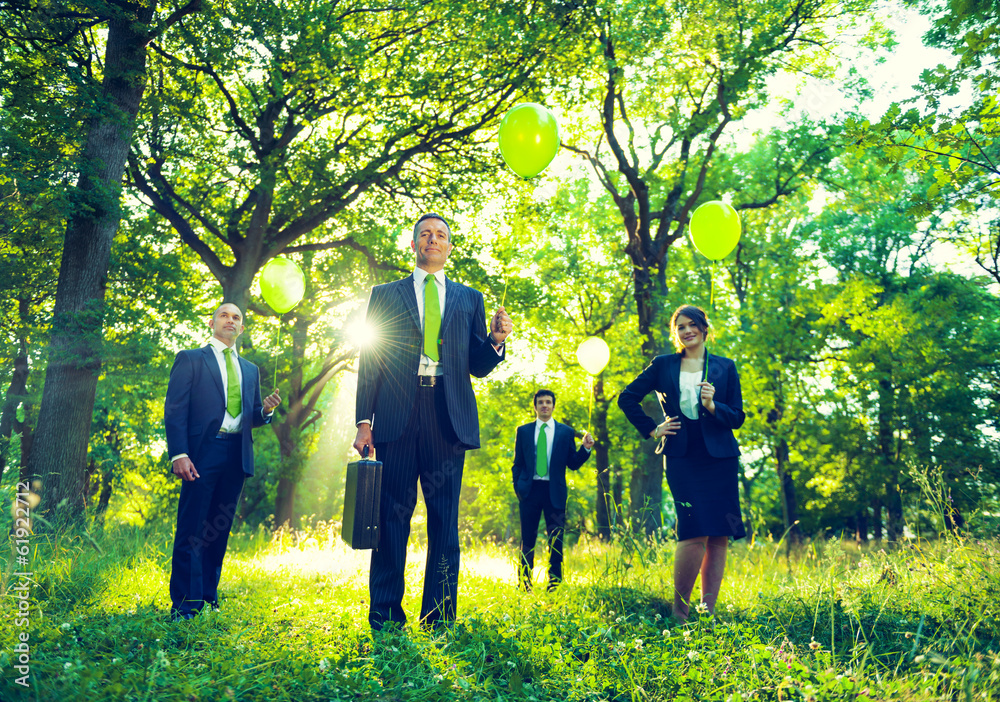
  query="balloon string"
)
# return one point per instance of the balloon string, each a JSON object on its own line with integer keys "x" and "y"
{"x": 711, "y": 285}
{"x": 503, "y": 300}
{"x": 277, "y": 347}
{"x": 590, "y": 404}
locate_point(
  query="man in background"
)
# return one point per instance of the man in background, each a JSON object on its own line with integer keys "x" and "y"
{"x": 213, "y": 401}
{"x": 543, "y": 450}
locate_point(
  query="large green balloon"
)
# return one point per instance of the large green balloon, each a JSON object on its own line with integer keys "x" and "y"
{"x": 529, "y": 138}
{"x": 282, "y": 284}
{"x": 715, "y": 229}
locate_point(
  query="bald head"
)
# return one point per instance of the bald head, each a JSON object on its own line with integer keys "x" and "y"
{"x": 227, "y": 323}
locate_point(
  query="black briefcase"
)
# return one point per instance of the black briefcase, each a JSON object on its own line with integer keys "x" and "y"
{"x": 361, "y": 503}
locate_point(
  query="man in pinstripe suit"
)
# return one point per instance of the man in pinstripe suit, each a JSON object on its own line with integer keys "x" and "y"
{"x": 417, "y": 409}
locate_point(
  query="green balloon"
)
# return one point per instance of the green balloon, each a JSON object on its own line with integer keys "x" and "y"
{"x": 715, "y": 229}
{"x": 282, "y": 284}
{"x": 529, "y": 139}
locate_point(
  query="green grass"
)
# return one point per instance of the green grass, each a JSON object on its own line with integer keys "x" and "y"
{"x": 828, "y": 622}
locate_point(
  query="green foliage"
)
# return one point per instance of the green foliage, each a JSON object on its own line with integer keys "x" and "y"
{"x": 952, "y": 143}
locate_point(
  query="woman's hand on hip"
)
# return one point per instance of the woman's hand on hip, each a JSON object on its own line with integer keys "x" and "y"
{"x": 669, "y": 427}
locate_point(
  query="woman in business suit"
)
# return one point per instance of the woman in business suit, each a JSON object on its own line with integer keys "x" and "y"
{"x": 701, "y": 400}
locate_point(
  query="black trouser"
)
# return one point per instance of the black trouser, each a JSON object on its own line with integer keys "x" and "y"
{"x": 427, "y": 451}
{"x": 204, "y": 518}
{"x": 537, "y": 502}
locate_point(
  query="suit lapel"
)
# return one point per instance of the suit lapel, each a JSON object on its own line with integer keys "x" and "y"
{"x": 558, "y": 437}
{"x": 212, "y": 365}
{"x": 452, "y": 301}
{"x": 246, "y": 386}
{"x": 674, "y": 376}
{"x": 715, "y": 373}
{"x": 405, "y": 290}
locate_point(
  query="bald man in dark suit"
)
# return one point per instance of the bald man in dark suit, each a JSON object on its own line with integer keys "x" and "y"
{"x": 417, "y": 409}
{"x": 213, "y": 402}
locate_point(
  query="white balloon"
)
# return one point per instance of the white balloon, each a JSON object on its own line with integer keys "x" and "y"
{"x": 593, "y": 354}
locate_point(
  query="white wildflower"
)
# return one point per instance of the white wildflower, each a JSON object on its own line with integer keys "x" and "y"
{"x": 65, "y": 626}
{"x": 694, "y": 656}
{"x": 323, "y": 665}
{"x": 666, "y": 633}
{"x": 701, "y": 608}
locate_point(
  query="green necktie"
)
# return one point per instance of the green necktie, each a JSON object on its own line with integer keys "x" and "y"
{"x": 432, "y": 318}
{"x": 234, "y": 402}
{"x": 542, "y": 453}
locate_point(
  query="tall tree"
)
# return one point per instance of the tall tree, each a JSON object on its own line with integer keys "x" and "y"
{"x": 951, "y": 142}
{"x": 60, "y": 448}
{"x": 892, "y": 329}
{"x": 671, "y": 83}
{"x": 268, "y": 124}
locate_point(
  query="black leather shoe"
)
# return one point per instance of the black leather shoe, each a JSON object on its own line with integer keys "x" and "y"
{"x": 214, "y": 604}
{"x": 182, "y": 616}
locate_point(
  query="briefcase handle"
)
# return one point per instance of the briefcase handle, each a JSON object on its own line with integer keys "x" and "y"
{"x": 364, "y": 451}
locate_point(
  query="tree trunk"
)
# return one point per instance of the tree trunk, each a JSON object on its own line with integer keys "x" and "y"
{"x": 284, "y": 504}
{"x": 894, "y": 511}
{"x": 789, "y": 500}
{"x": 60, "y": 456}
{"x": 24, "y": 428}
{"x": 861, "y": 526}
{"x": 606, "y": 506}
{"x": 646, "y": 484}
{"x": 877, "y": 519}
{"x": 887, "y": 454}
{"x": 284, "y": 500}
{"x": 107, "y": 486}
{"x": 15, "y": 395}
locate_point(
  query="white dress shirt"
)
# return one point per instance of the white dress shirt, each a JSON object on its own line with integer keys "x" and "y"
{"x": 550, "y": 431}
{"x": 230, "y": 425}
{"x": 690, "y": 393}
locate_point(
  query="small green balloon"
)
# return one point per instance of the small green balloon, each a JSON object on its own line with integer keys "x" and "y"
{"x": 282, "y": 284}
{"x": 715, "y": 229}
{"x": 529, "y": 138}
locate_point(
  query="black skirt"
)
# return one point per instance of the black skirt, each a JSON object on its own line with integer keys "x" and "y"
{"x": 705, "y": 489}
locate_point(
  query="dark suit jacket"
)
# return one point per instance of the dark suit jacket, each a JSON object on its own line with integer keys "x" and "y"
{"x": 664, "y": 375}
{"x": 564, "y": 455}
{"x": 196, "y": 403}
{"x": 387, "y": 371}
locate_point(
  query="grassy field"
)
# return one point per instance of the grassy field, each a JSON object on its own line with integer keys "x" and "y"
{"x": 826, "y": 622}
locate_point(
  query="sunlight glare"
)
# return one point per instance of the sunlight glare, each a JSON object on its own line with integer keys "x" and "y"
{"x": 360, "y": 333}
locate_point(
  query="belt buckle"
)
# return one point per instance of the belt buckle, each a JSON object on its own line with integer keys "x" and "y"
{"x": 426, "y": 381}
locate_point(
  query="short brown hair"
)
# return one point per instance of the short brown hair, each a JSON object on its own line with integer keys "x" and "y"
{"x": 695, "y": 314}
{"x": 430, "y": 215}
